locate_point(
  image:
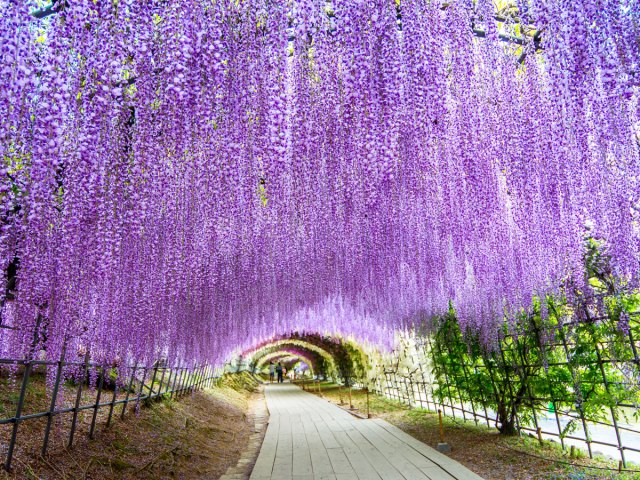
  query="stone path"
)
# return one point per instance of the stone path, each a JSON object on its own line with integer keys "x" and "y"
{"x": 309, "y": 438}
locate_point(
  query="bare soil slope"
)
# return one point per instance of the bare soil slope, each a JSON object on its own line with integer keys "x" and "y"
{"x": 197, "y": 437}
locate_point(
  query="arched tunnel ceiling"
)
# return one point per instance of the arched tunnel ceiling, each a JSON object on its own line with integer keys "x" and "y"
{"x": 262, "y": 362}
{"x": 355, "y": 179}
{"x": 331, "y": 356}
{"x": 293, "y": 346}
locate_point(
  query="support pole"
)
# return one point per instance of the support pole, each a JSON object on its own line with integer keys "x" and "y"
{"x": 76, "y": 407}
{"x": 153, "y": 379}
{"x": 175, "y": 380}
{"x": 113, "y": 402}
{"x": 17, "y": 419}
{"x": 164, "y": 372}
{"x": 126, "y": 399}
{"x": 97, "y": 404}
{"x": 144, "y": 377}
{"x": 166, "y": 391}
{"x": 178, "y": 389}
{"x": 350, "y": 399}
{"x": 54, "y": 399}
{"x": 443, "y": 446}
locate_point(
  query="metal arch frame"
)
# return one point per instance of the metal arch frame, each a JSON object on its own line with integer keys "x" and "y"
{"x": 261, "y": 362}
{"x": 283, "y": 343}
{"x": 44, "y": 12}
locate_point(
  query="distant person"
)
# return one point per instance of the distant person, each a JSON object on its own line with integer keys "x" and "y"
{"x": 279, "y": 372}
{"x": 272, "y": 371}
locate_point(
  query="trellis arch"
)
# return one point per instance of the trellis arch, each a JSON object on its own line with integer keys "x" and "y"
{"x": 278, "y": 353}
{"x": 270, "y": 347}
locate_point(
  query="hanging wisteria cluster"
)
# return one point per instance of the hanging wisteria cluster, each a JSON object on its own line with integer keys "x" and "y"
{"x": 183, "y": 177}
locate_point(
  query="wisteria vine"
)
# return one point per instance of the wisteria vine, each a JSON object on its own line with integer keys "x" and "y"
{"x": 184, "y": 177}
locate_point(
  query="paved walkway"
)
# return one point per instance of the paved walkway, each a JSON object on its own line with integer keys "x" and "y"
{"x": 309, "y": 438}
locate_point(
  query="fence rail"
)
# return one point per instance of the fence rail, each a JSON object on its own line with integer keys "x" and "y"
{"x": 140, "y": 384}
{"x": 446, "y": 386}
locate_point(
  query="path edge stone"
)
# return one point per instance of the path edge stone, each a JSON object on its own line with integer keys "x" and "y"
{"x": 259, "y": 414}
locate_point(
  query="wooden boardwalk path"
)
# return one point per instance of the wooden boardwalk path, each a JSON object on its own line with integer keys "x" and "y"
{"x": 309, "y": 438}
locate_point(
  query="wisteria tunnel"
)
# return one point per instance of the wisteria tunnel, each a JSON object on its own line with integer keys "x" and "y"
{"x": 377, "y": 238}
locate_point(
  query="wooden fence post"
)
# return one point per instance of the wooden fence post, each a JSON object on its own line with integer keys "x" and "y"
{"x": 97, "y": 404}
{"x": 126, "y": 399}
{"x": 76, "y": 407}
{"x": 54, "y": 399}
